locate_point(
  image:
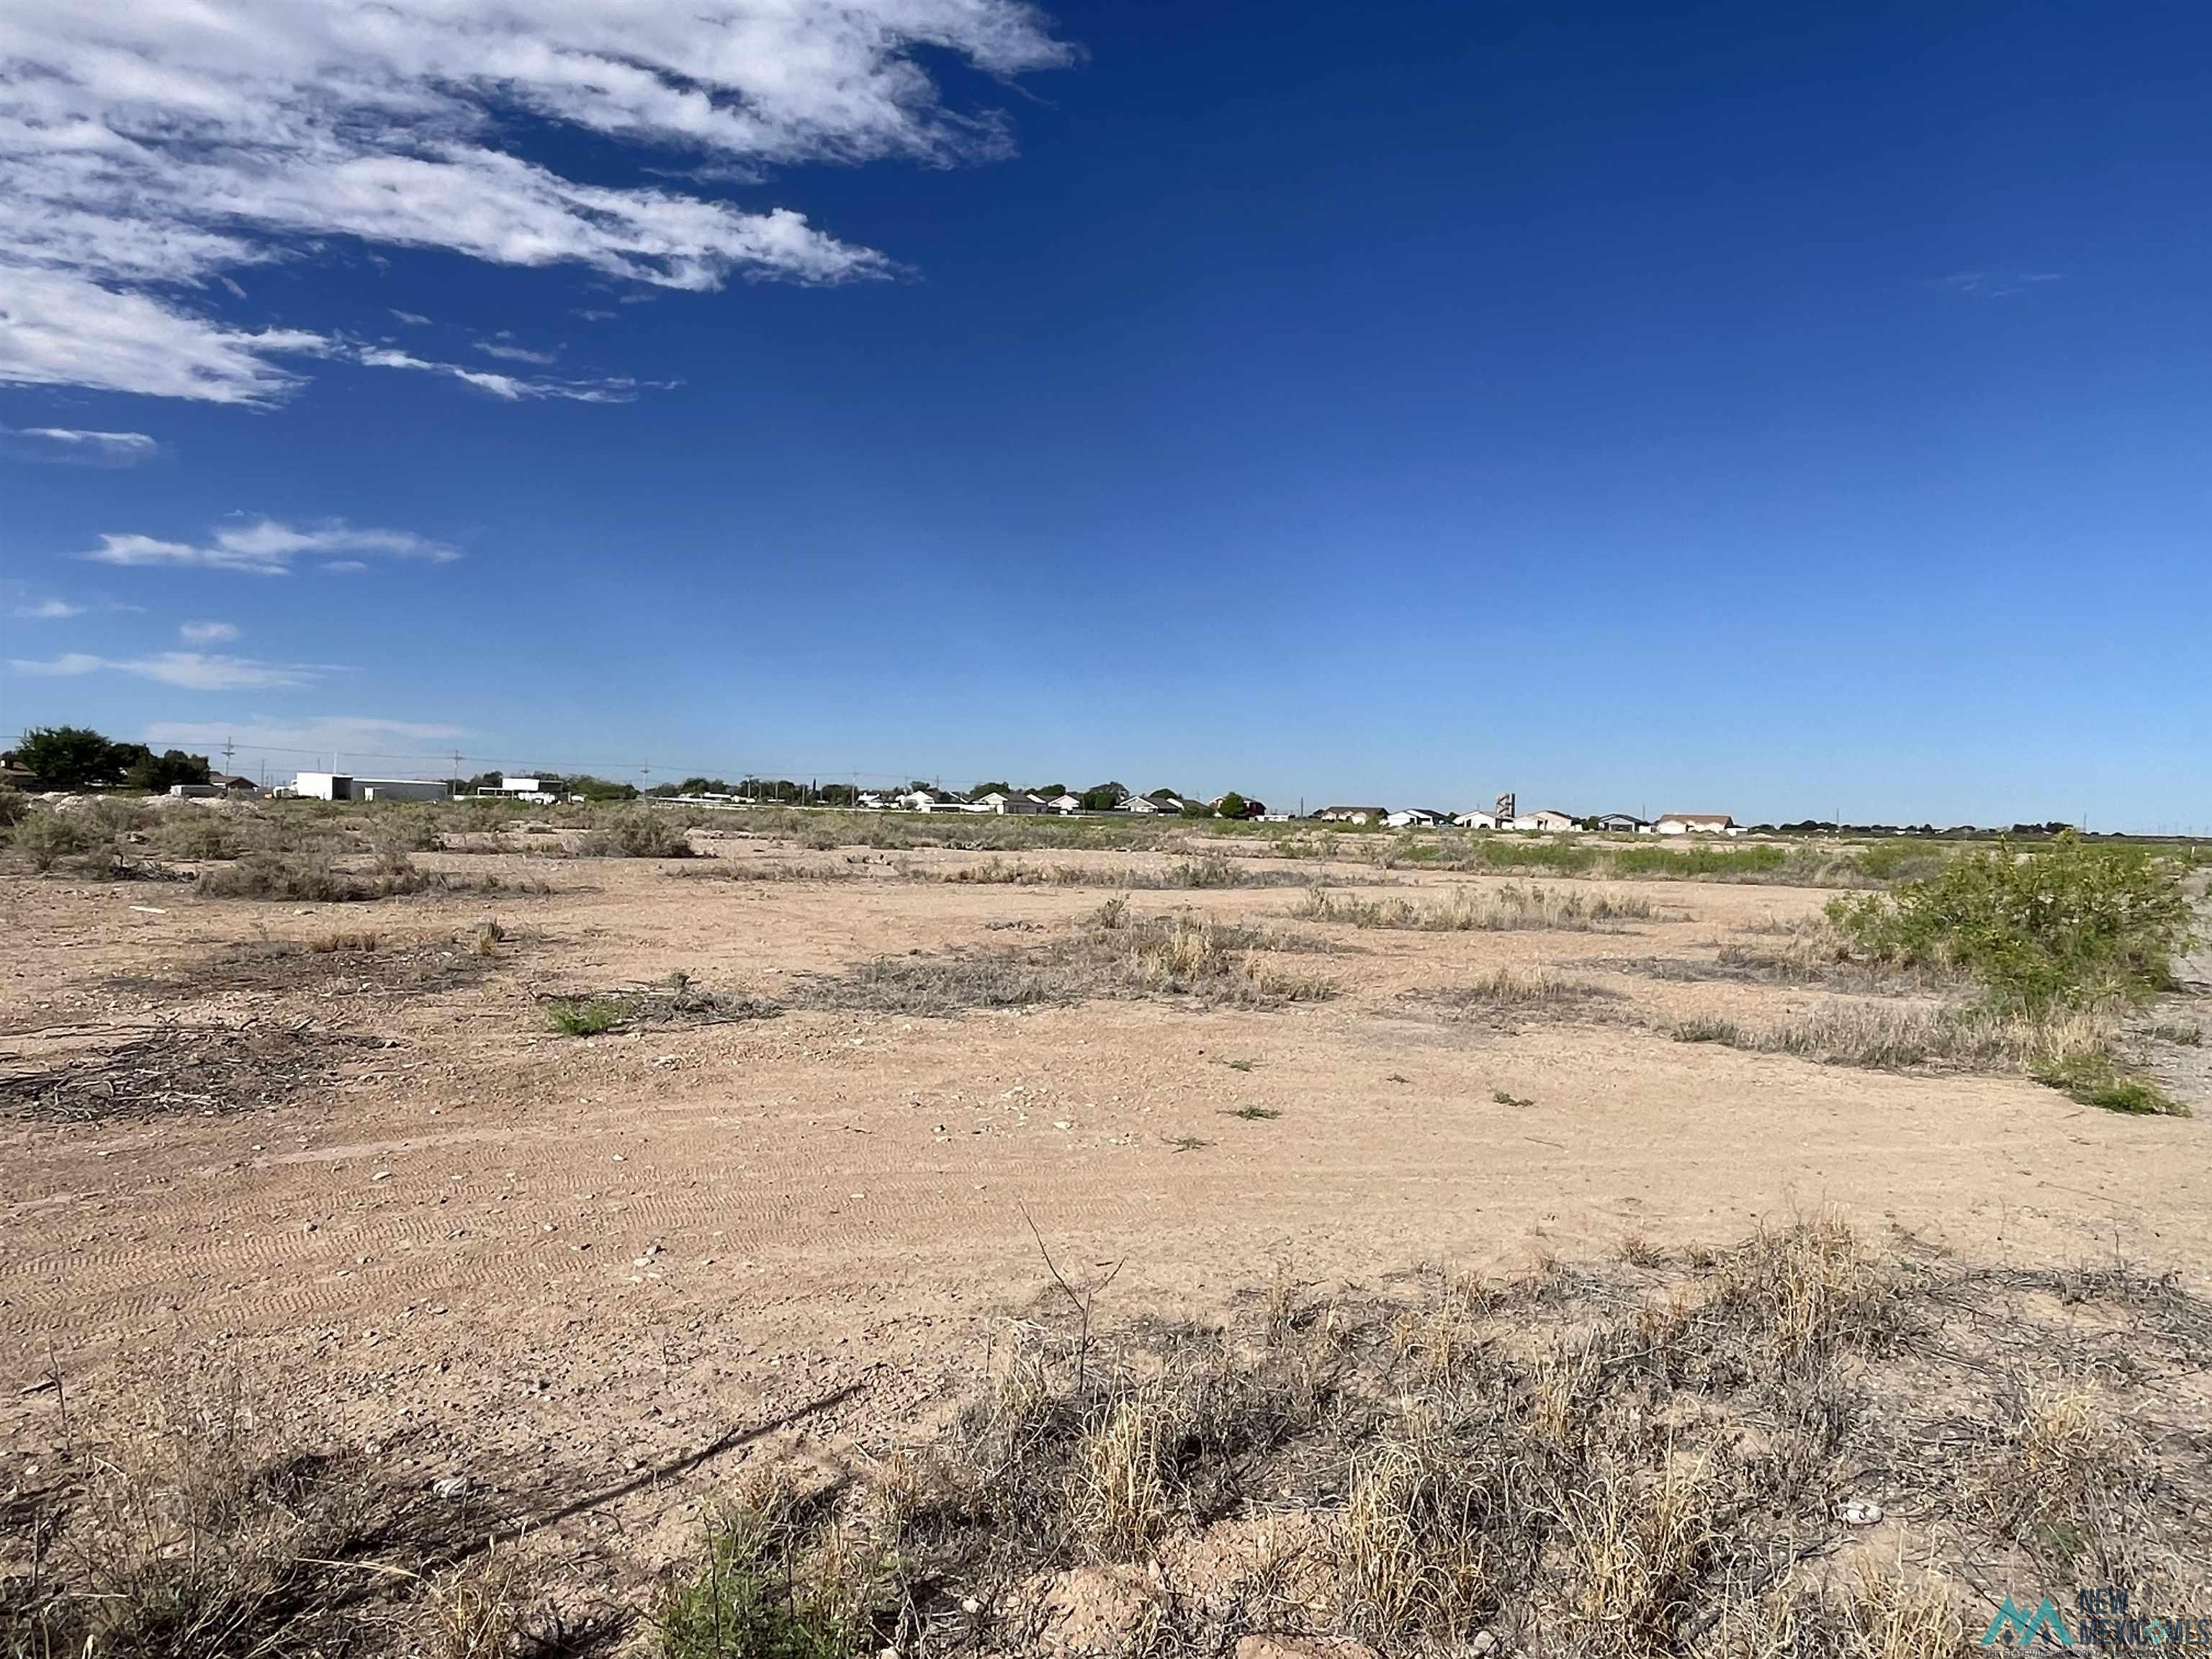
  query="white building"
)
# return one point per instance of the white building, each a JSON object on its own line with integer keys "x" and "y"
{"x": 340, "y": 785}
{"x": 1696, "y": 823}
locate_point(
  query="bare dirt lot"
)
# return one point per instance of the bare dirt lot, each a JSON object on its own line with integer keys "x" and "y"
{"x": 344, "y": 1150}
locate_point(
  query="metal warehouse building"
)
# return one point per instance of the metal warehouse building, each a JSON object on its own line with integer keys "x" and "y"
{"x": 339, "y": 786}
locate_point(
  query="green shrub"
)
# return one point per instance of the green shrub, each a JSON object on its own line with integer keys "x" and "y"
{"x": 2093, "y": 1079}
{"x": 584, "y": 1016}
{"x": 47, "y": 838}
{"x": 2077, "y": 924}
{"x": 773, "y": 1582}
{"x": 1758, "y": 859}
{"x": 196, "y": 833}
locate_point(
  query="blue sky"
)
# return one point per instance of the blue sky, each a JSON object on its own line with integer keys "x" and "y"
{"x": 1775, "y": 411}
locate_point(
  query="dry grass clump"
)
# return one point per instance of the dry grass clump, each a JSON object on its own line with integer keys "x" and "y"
{"x": 1906, "y": 1036}
{"x": 1553, "y": 1464}
{"x": 1508, "y": 992}
{"x": 1116, "y": 953}
{"x": 636, "y": 832}
{"x": 313, "y": 877}
{"x": 1471, "y": 910}
{"x": 1639, "y": 1540}
{"x": 357, "y": 940}
{"x": 675, "y": 1001}
{"x": 716, "y": 869}
{"x": 1209, "y": 870}
{"x": 206, "y": 1527}
{"x": 1807, "y": 1293}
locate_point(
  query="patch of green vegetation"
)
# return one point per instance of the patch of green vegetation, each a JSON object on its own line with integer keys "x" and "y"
{"x": 578, "y": 1016}
{"x": 2078, "y": 924}
{"x": 767, "y": 1587}
{"x": 1759, "y": 859}
{"x": 2094, "y": 1079}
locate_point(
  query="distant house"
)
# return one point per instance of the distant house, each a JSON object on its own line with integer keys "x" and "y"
{"x": 1622, "y": 824}
{"x": 1477, "y": 819}
{"x": 1005, "y": 800}
{"x": 1415, "y": 818}
{"x": 1352, "y": 814}
{"x": 1548, "y": 822}
{"x": 1160, "y": 800}
{"x": 1695, "y": 823}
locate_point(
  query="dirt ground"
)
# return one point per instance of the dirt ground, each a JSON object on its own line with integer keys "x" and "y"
{"x": 604, "y": 1270}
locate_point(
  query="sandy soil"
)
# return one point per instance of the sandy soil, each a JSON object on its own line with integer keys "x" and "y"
{"x": 603, "y": 1267}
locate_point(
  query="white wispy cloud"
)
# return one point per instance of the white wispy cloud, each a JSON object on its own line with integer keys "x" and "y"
{"x": 48, "y": 611}
{"x": 509, "y": 353}
{"x": 208, "y": 633}
{"x": 189, "y": 671}
{"x": 509, "y": 388}
{"x": 1999, "y": 284}
{"x": 68, "y": 443}
{"x": 267, "y": 547}
{"x": 148, "y": 150}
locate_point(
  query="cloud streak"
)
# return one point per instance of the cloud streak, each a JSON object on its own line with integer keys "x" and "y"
{"x": 74, "y": 445}
{"x": 188, "y": 671}
{"x": 148, "y": 150}
{"x": 267, "y": 547}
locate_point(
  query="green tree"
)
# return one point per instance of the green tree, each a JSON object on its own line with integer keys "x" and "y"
{"x": 70, "y": 757}
{"x": 156, "y": 773}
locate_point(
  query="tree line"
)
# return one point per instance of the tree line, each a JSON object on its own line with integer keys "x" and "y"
{"x": 78, "y": 757}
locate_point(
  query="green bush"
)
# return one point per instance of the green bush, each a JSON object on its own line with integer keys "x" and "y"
{"x": 2094, "y": 1079}
{"x": 773, "y": 1582}
{"x": 47, "y": 838}
{"x": 2077, "y": 924}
